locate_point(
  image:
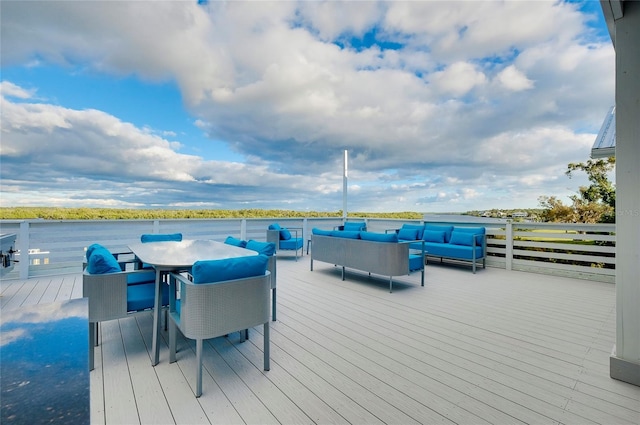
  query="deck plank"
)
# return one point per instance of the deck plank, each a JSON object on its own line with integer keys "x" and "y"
{"x": 494, "y": 347}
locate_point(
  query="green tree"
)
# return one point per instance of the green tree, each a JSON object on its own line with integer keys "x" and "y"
{"x": 595, "y": 203}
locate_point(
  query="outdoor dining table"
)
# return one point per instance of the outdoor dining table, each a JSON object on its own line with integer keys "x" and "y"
{"x": 172, "y": 256}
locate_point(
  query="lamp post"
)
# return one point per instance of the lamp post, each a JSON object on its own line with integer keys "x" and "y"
{"x": 345, "y": 177}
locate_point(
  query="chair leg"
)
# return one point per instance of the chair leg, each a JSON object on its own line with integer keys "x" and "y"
{"x": 199, "y": 371}
{"x": 273, "y": 304}
{"x": 172, "y": 341}
{"x": 266, "y": 348}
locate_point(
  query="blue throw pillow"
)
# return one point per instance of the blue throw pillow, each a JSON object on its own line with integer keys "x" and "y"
{"x": 433, "y": 236}
{"x": 379, "y": 237}
{"x": 92, "y": 248}
{"x": 408, "y": 234}
{"x": 461, "y": 238}
{"x": 235, "y": 241}
{"x": 285, "y": 234}
{"x": 274, "y": 226}
{"x": 446, "y": 229}
{"x": 160, "y": 237}
{"x": 102, "y": 261}
{"x": 419, "y": 228}
{"x": 210, "y": 271}
{"x": 321, "y": 232}
{"x": 345, "y": 234}
{"x": 265, "y": 248}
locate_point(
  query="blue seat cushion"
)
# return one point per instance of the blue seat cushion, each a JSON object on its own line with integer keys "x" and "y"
{"x": 102, "y": 261}
{"x": 418, "y": 227}
{"x": 321, "y": 232}
{"x": 415, "y": 262}
{"x": 141, "y": 297}
{"x": 405, "y": 234}
{"x": 235, "y": 242}
{"x": 379, "y": 237}
{"x": 264, "y": 248}
{"x": 161, "y": 237}
{"x": 436, "y": 228}
{"x": 210, "y": 271}
{"x": 292, "y": 244}
{"x": 462, "y": 252}
{"x": 354, "y": 227}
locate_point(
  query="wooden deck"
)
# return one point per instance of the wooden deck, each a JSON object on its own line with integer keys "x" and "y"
{"x": 497, "y": 347}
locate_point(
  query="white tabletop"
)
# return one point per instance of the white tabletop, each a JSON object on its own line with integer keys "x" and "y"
{"x": 183, "y": 254}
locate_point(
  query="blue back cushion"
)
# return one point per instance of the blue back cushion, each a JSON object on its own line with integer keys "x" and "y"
{"x": 321, "y": 232}
{"x": 274, "y": 226}
{"x": 209, "y": 271}
{"x": 418, "y": 227}
{"x": 102, "y": 261}
{"x": 235, "y": 242}
{"x": 379, "y": 237}
{"x": 345, "y": 234}
{"x": 461, "y": 238}
{"x": 354, "y": 226}
{"x": 406, "y": 234}
{"x": 433, "y": 236}
{"x": 161, "y": 237}
{"x": 91, "y": 248}
{"x": 264, "y": 248}
{"x": 446, "y": 229}
{"x": 285, "y": 234}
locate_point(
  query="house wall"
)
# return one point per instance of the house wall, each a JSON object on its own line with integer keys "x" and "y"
{"x": 625, "y": 361}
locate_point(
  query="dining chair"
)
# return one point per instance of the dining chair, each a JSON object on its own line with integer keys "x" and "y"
{"x": 217, "y": 298}
{"x": 114, "y": 292}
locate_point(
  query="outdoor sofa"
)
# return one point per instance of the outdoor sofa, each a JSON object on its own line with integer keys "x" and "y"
{"x": 468, "y": 244}
{"x": 376, "y": 253}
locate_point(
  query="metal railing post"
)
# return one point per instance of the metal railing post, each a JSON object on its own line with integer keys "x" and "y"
{"x": 509, "y": 245}
{"x": 23, "y": 247}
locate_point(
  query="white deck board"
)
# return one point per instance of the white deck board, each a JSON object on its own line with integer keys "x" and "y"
{"x": 496, "y": 347}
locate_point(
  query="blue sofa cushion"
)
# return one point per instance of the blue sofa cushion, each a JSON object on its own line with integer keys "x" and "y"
{"x": 209, "y": 271}
{"x": 264, "y": 248}
{"x": 160, "y": 237}
{"x": 418, "y": 227}
{"x": 461, "y": 238}
{"x": 274, "y": 226}
{"x": 354, "y": 226}
{"x": 345, "y": 234}
{"x": 434, "y": 236}
{"x": 235, "y": 242}
{"x": 446, "y": 229}
{"x": 452, "y": 251}
{"x": 101, "y": 261}
{"x": 291, "y": 244}
{"x": 141, "y": 297}
{"x": 379, "y": 237}
{"x": 321, "y": 232}
{"x": 405, "y": 234}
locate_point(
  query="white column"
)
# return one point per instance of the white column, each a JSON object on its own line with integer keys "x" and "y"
{"x": 345, "y": 178}
{"x": 625, "y": 360}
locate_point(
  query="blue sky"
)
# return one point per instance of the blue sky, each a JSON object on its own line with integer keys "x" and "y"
{"x": 443, "y": 106}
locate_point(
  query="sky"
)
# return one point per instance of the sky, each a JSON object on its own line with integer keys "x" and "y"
{"x": 442, "y": 106}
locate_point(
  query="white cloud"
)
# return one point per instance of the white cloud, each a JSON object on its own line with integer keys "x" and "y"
{"x": 482, "y": 97}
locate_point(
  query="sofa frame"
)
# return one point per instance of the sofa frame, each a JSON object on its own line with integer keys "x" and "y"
{"x": 382, "y": 258}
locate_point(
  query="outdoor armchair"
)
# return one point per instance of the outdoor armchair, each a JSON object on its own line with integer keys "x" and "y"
{"x": 219, "y": 297}
{"x": 114, "y": 293}
{"x": 286, "y": 239}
